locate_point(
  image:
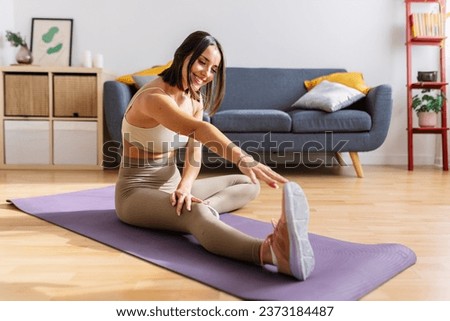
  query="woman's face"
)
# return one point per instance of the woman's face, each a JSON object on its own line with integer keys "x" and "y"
{"x": 203, "y": 69}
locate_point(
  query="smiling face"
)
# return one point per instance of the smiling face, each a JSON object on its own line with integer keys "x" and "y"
{"x": 203, "y": 69}
{"x": 199, "y": 65}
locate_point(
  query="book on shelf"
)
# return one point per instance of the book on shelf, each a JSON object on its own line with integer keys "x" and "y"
{"x": 427, "y": 25}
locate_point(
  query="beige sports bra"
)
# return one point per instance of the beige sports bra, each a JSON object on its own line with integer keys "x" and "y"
{"x": 158, "y": 139}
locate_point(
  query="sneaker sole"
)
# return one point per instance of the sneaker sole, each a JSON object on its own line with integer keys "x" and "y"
{"x": 301, "y": 253}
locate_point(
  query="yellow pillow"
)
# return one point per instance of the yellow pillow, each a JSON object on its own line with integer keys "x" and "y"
{"x": 350, "y": 79}
{"x": 153, "y": 71}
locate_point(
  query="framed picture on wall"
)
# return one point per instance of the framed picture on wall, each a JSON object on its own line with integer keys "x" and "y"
{"x": 51, "y": 41}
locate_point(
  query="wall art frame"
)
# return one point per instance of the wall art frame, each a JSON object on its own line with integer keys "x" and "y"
{"x": 51, "y": 41}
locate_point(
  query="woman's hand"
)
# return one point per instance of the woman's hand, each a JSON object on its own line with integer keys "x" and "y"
{"x": 255, "y": 170}
{"x": 181, "y": 197}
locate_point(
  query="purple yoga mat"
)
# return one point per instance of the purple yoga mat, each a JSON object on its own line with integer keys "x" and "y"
{"x": 344, "y": 270}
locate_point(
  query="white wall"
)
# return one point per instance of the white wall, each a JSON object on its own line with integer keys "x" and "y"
{"x": 6, "y": 23}
{"x": 366, "y": 36}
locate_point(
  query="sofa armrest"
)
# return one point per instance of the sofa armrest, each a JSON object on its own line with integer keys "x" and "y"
{"x": 116, "y": 96}
{"x": 379, "y": 106}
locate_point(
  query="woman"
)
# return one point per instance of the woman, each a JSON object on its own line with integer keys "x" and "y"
{"x": 166, "y": 114}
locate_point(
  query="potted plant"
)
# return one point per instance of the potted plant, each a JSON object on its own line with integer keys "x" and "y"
{"x": 24, "y": 54}
{"x": 427, "y": 104}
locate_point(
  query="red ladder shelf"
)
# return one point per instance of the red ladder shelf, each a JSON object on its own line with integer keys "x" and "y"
{"x": 441, "y": 84}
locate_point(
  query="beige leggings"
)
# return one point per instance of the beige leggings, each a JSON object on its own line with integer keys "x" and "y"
{"x": 142, "y": 198}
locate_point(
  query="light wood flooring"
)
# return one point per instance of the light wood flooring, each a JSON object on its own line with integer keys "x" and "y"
{"x": 40, "y": 261}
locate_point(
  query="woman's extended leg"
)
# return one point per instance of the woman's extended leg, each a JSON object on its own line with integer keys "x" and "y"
{"x": 226, "y": 193}
{"x": 143, "y": 199}
{"x": 151, "y": 208}
{"x": 287, "y": 247}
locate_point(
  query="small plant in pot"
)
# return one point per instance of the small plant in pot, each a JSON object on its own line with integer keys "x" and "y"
{"x": 427, "y": 104}
{"x": 24, "y": 55}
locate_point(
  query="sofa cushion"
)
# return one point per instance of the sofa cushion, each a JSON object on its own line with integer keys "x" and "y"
{"x": 329, "y": 96}
{"x": 252, "y": 121}
{"x": 267, "y": 88}
{"x": 153, "y": 71}
{"x": 343, "y": 121}
{"x": 350, "y": 79}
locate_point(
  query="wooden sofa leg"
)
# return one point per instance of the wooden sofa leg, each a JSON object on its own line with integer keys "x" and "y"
{"x": 340, "y": 160}
{"x": 356, "y": 164}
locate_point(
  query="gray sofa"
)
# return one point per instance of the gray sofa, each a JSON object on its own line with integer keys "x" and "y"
{"x": 257, "y": 115}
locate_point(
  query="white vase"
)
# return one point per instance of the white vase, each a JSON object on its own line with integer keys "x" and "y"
{"x": 427, "y": 119}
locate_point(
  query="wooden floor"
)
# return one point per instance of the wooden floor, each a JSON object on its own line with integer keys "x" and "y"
{"x": 39, "y": 261}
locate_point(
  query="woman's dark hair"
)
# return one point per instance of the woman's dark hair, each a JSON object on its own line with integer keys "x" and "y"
{"x": 196, "y": 43}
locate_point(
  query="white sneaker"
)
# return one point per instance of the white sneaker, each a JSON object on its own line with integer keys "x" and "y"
{"x": 289, "y": 243}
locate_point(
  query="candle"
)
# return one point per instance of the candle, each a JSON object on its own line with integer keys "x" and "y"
{"x": 98, "y": 61}
{"x": 87, "y": 59}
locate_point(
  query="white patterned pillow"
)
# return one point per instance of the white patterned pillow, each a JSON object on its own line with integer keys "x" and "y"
{"x": 141, "y": 81}
{"x": 329, "y": 96}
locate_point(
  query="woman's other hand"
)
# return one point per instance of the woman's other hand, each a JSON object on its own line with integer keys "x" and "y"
{"x": 255, "y": 170}
{"x": 182, "y": 197}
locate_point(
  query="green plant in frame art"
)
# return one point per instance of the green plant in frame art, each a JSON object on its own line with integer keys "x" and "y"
{"x": 52, "y": 41}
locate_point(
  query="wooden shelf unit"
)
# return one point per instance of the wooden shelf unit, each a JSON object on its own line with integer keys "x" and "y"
{"x": 51, "y": 117}
{"x": 441, "y": 84}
